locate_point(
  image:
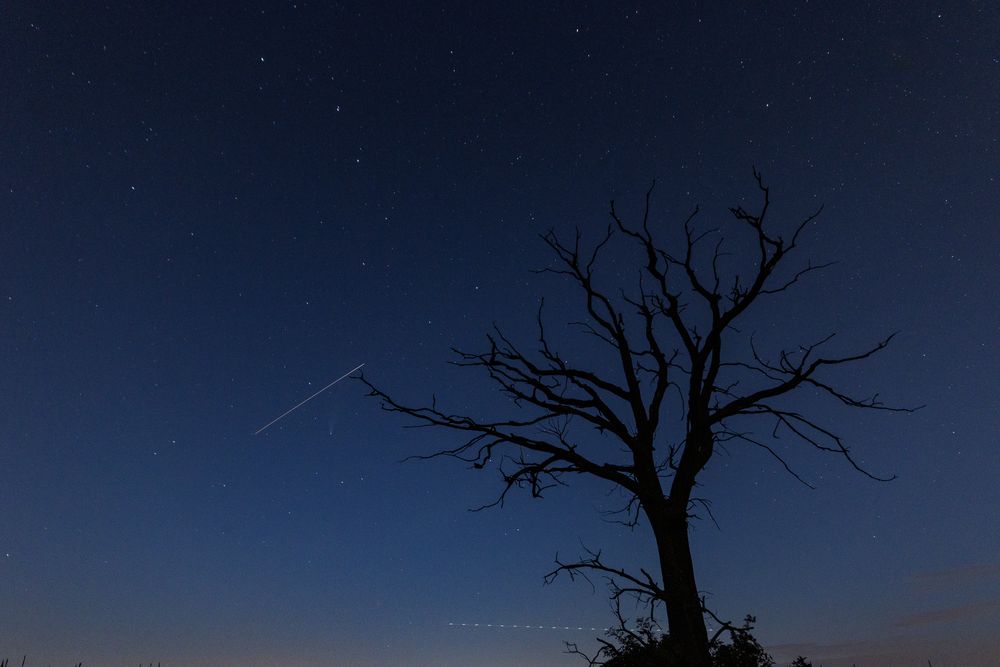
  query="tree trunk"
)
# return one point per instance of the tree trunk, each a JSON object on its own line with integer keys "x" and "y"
{"x": 684, "y": 612}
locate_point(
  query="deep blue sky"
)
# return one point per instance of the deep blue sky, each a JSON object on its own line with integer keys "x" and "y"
{"x": 208, "y": 213}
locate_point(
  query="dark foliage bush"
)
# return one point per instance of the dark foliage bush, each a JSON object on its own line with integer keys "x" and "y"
{"x": 643, "y": 647}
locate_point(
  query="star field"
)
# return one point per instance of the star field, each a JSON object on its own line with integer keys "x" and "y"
{"x": 208, "y": 213}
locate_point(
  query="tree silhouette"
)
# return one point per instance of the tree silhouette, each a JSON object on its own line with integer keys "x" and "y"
{"x": 673, "y": 333}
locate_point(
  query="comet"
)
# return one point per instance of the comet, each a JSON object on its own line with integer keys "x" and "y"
{"x": 301, "y": 403}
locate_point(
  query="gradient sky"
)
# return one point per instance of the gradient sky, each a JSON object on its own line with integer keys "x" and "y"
{"x": 209, "y": 211}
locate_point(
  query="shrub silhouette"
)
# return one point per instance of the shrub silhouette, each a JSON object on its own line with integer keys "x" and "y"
{"x": 743, "y": 651}
{"x": 641, "y": 647}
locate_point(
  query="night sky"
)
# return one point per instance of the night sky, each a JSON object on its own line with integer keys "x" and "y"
{"x": 208, "y": 212}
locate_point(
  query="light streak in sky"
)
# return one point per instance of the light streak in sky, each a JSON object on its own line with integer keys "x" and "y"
{"x": 299, "y": 405}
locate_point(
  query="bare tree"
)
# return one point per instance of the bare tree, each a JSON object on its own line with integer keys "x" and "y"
{"x": 671, "y": 334}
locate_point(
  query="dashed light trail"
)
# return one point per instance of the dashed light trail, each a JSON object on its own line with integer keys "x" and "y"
{"x": 525, "y": 626}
